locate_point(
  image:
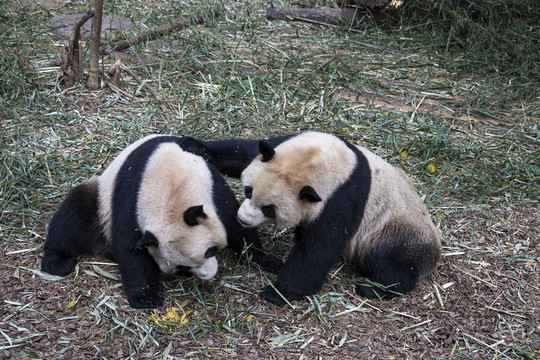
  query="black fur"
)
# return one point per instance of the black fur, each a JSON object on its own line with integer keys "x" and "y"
{"x": 192, "y": 214}
{"x": 266, "y": 150}
{"x": 227, "y": 208}
{"x": 391, "y": 268}
{"x": 232, "y": 156}
{"x": 308, "y": 193}
{"x": 148, "y": 239}
{"x": 75, "y": 228}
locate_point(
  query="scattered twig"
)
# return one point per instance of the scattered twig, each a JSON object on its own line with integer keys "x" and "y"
{"x": 27, "y": 69}
{"x": 475, "y": 277}
{"x": 143, "y": 83}
{"x": 439, "y": 298}
{"x": 114, "y": 72}
{"x": 415, "y": 325}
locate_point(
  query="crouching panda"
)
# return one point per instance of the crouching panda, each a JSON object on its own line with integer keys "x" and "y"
{"x": 342, "y": 200}
{"x": 160, "y": 205}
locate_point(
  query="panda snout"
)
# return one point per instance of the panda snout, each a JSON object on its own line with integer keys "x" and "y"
{"x": 248, "y": 215}
{"x": 207, "y": 270}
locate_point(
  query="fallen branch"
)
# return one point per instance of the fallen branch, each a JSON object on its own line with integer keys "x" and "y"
{"x": 142, "y": 82}
{"x": 152, "y": 34}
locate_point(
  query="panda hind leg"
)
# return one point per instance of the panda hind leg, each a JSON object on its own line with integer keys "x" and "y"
{"x": 386, "y": 284}
{"x": 74, "y": 230}
{"x": 393, "y": 266}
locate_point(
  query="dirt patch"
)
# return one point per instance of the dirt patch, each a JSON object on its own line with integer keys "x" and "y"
{"x": 482, "y": 302}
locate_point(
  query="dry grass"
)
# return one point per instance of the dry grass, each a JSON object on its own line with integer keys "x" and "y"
{"x": 426, "y": 83}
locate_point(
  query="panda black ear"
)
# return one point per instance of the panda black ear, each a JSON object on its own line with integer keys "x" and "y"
{"x": 148, "y": 239}
{"x": 266, "y": 150}
{"x": 309, "y": 194}
{"x": 192, "y": 214}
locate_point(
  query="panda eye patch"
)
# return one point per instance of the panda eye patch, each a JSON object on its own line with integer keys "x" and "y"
{"x": 269, "y": 211}
{"x": 248, "y": 190}
{"x": 211, "y": 252}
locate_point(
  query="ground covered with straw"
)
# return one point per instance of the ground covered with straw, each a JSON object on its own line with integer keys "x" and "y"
{"x": 449, "y": 94}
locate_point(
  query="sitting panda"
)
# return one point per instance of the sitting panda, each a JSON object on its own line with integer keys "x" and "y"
{"x": 160, "y": 205}
{"x": 341, "y": 199}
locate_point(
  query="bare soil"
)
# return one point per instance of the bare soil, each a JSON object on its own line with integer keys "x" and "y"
{"x": 482, "y": 302}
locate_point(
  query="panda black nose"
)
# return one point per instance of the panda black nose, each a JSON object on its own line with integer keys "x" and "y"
{"x": 213, "y": 251}
{"x": 183, "y": 268}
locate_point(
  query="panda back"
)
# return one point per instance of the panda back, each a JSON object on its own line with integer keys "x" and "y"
{"x": 392, "y": 203}
{"x": 128, "y": 169}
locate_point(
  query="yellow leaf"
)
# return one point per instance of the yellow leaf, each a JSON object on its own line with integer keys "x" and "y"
{"x": 155, "y": 317}
{"x": 72, "y": 302}
{"x": 403, "y": 154}
{"x": 183, "y": 319}
{"x": 431, "y": 168}
{"x": 170, "y": 318}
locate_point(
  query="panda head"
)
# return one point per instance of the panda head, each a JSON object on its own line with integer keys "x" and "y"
{"x": 276, "y": 190}
{"x": 290, "y": 184}
{"x": 190, "y": 244}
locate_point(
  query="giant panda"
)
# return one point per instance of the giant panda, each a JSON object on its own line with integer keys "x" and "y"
{"x": 159, "y": 205}
{"x": 340, "y": 199}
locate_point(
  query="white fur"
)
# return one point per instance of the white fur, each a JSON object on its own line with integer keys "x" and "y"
{"x": 319, "y": 160}
{"x": 207, "y": 270}
{"x": 175, "y": 180}
{"x": 251, "y": 216}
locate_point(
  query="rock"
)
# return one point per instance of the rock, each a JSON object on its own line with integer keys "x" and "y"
{"x": 63, "y": 25}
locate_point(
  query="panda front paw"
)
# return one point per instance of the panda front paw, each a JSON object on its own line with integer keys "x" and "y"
{"x": 271, "y": 295}
{"x": 55, "y": 264}
{"x": 145, "y": 301}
